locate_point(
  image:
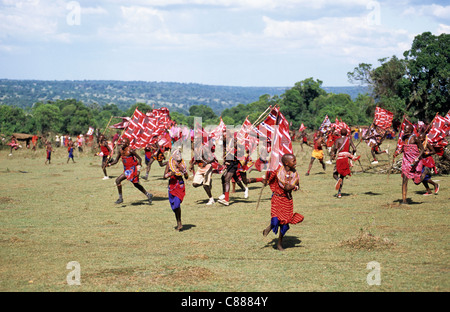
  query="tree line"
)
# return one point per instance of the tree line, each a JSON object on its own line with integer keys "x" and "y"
{"x": 416, "y": 86}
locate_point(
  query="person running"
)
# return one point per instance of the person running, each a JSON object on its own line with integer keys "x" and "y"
{"x": 14, "y": 144}
{"x": 49, "y": 151}
{"x": 425, "y": 167}
{"x": 70, "y": 146}
{"x": 282, "y": 182}
{"x": 153, "y": 152}
{"x": 317, "y": 152}
{"x": 341, "y": 152}
{"x": 175, "y": 170}
{"x": 132, "y": 166}
{"x": 106, "y": 153}
{"x": 375, "y": 136}
{"x": 412, "y": 150}
{"x": 204, "y": 158}
{"x": 231, "y": 163}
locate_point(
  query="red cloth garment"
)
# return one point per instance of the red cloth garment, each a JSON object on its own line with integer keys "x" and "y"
{"x": 342, "y": 163}
{"x": 282, "y": 207}
{"x": 410, "y": 152}
{"x": 130, "y": 168}
{"x": 104, "y": 150}
{"x": 177, "y": 187}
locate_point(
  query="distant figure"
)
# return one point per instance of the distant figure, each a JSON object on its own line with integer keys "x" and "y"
{"x": 153, "y": 152}
{"x": 70, "y": 150}
{"x": 14, "y": 144}
{"x": 375, "y": 137}
{"x": 204, "y": 158}
{"x": 49, "y": 151}
{"x": 317, "y": 152}
{"x": 34, "y": 140}
{"x": 341, "y": 152}
{"x": 106, "y": 153}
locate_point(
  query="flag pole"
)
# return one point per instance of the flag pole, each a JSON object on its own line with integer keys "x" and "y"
{"x": 270, "y": 160}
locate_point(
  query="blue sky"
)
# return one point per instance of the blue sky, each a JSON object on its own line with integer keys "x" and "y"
{"x": 215, "y": 42}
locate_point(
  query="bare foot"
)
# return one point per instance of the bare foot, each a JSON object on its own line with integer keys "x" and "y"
{"x": 266, "y": 231}
{"x": 279, "y": 247}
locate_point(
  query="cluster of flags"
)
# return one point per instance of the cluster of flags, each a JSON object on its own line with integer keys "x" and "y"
{"x": 436, "y": 132}
{"x": 143, "y": 129}
{"x": 440, "y": 128}
{"x": 327, "y": 125}
{"x": 157, "y": 126}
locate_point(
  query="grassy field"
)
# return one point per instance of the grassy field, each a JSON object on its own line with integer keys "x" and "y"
{"x": 54, "y": 214}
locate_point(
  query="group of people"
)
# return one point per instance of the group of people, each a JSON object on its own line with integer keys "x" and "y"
{"x": 282, "y": 181}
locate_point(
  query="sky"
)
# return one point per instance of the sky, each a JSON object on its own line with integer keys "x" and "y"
{"x": 264, "y": 43}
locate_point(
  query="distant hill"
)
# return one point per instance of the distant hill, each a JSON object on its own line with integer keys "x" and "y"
{"x": 176, "y": 96}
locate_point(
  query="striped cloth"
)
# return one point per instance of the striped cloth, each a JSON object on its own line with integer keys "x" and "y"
{"x": 281, "y": 207}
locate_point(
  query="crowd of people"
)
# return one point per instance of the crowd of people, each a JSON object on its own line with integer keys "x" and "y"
{"x": 418, "y": 165}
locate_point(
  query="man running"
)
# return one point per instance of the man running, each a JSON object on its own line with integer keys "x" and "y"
{"x": 132, "y": 166}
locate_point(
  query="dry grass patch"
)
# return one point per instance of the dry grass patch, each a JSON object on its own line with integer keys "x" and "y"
{"x": 367, "y": 241}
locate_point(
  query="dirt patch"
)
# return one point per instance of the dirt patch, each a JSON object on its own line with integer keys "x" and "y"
{"x": 367, "y": 241}
{"x": 6, "y": 200}
{"x": 183, "y": 275}
{"x": 197, "y": 257}
{"x": 12, "y": 240}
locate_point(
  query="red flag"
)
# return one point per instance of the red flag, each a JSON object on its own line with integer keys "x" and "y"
{"x": 302, "y": 127}
{"x": 400, "y": 135}
{"x": 440, "y": 128}
{"x": 218, "y": 131}
{"x": 281, "y": 139}
{"x": 383, "y": 118}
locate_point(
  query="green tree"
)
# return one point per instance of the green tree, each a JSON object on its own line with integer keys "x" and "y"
{"x": 429, "y": 75}
{"x": 296, "y": 102}
{"x": 203, "y": 111}
{"x": 48, "y": 118}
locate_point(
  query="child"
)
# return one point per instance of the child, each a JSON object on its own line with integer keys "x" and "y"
{"x": 317, "y": 152}
{"x": 49, "y": 152}
{"x": 282, "y": 182}
{"x": 70, "y": 151}
{"x": 175, "y": 170}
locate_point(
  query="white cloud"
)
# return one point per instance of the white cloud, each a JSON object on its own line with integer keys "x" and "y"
{"x": 443, "y": 29}
{"x": 433, "y": 10}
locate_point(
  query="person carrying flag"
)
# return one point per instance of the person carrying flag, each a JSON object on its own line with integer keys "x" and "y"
{"x": 282, "y": 182}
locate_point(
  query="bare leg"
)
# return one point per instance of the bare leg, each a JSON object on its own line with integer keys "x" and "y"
{"x": 280, "y": 242}
{"x": 404, "y": 189}
{"x": 178, "y": 218}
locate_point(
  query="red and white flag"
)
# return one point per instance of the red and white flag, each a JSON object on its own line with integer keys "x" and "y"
{"x": 302, "y": 127}
{"x": 281, "y": 139}
{"x": 440, "y": 128}
{"x": 217, "y": 132}
{"x": 383, "y": 118}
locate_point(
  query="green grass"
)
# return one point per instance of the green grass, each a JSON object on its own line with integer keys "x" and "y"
{"x": 54, "y": 214}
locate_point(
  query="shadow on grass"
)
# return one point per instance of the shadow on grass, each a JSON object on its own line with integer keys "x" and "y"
{"x": 288, "y": 242}
{"x": 372, "y": 193}
{"x": 409, "y": 201}
{"x": 186, "y": 227}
